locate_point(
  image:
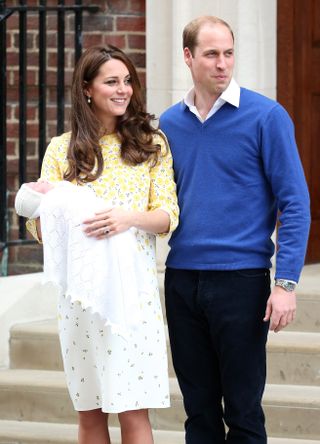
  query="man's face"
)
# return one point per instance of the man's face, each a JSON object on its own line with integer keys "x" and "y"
{"x": 212, "y": 63}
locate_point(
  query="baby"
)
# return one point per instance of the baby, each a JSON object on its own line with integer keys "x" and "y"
{"x": 104, "y": 275}
{"x": 28, "y": 198}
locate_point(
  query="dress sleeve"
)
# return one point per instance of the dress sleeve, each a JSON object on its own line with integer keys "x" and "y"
{"x": 162, "y": 186}
{"x": 51, "y": 171}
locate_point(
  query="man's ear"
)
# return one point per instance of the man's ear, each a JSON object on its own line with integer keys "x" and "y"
{"x": 187, "y": 56}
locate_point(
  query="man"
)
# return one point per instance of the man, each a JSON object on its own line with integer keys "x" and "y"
{"x": 236, "y": 167}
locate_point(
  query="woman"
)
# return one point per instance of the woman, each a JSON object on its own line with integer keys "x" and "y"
{"x": 113, "y": 150}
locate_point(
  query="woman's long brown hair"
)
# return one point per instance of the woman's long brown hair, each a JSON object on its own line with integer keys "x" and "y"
{"x": 85, "y": 161}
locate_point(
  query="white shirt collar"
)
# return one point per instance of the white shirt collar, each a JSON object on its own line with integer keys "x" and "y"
{"x": 230, "y": 95}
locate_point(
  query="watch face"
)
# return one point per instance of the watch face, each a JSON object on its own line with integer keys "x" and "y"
{"x": 288, "y": 286}
{"x": 291, "y": 286}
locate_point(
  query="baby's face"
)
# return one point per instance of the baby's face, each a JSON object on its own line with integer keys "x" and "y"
{"x": 40, "y": 187}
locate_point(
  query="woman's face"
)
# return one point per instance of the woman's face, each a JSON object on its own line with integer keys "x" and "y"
{"x": 110, "y": 92}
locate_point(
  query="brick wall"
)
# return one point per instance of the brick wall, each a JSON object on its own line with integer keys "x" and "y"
{"x": 119, "y": 22}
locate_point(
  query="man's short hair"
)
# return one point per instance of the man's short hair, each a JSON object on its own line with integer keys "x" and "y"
{"x": 191, "y": 30}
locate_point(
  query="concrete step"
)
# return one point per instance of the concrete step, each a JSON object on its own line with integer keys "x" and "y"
{"x": 41, "y": 395}
{"x": 291, "y": 441}
{"x": 35, "y": 345}
{"x": 293, "y": 357}
{"x": 23, "y": 432}
{"x": 292, "y": 411}
{"x": 34, "y": 395}
{"x": 26, "y": 432}
{"x": 308, "y": 312}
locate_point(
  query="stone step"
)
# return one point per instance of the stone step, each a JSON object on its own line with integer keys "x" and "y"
{"x": 34, "y": 395}
{"x": 26, "y": 432}
{"x": 293, "y": 357}
{"x": 291, "y": 441}
{"x": 292, "y": 411}
{"x": 35, "y": 345}
{"x": 308, "y": 312}
{"x": 41, "y": 395}
{"x": 23, "y": 432}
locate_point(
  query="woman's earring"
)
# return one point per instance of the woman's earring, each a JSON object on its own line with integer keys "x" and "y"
{"x": 89, "y": 100}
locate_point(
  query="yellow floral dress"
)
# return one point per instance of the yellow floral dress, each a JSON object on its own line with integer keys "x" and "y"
{"x": 104, "y": 370}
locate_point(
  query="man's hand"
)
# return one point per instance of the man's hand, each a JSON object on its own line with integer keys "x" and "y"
{"x": 281, "y": 308}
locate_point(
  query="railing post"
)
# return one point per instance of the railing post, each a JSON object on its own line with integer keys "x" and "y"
{"x": 78, "y": 32}
{"x": 42, "y": 82}
{"x": 22, "y": 105}
{"x": 60, "y": 70}
{"x": 3, "y": 129}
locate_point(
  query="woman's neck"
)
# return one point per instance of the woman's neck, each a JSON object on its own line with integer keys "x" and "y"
{"x": 108, "y": 125}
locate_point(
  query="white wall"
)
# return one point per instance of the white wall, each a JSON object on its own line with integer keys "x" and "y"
{"x": 254, "y": 26}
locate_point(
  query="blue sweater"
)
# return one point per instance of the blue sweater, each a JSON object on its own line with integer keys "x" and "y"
{"x": 233, "y": 173}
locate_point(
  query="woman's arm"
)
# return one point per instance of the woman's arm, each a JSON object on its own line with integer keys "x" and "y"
{"x": 116, "y": 220}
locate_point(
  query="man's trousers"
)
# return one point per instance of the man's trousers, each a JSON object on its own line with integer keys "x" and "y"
{"x": 218, "y": 342}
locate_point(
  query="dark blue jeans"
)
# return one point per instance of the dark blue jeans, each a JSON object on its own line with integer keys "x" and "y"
{"x": 218, "y": 343}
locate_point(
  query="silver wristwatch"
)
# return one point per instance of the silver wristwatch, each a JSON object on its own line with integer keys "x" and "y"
{"x": 284, "y": 283}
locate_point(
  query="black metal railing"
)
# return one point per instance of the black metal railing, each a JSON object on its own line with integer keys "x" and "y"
{"x": 22, "y": 10}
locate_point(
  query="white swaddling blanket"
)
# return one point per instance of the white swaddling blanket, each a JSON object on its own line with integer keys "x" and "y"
{"x": 104, "y": 275}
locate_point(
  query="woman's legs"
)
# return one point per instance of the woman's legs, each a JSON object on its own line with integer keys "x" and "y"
{"x": 93, "y": 427}
{"x": 135, "y": 427}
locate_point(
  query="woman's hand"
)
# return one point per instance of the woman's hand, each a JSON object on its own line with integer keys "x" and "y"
{"x": 109, "y": 222}
{"x": 113, "y": 221}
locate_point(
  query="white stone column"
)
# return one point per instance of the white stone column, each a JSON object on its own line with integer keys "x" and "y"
{"x": 254, "y": 26}
{"x": 256, "y": 46}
